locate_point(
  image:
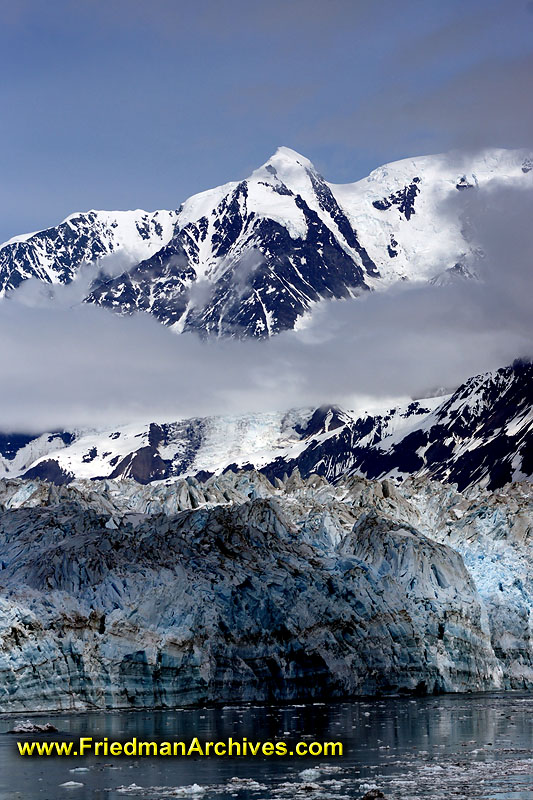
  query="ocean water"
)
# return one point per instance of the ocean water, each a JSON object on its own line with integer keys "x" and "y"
{"x": 444, "y": 748}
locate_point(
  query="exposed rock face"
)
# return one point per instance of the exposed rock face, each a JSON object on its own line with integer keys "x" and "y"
{"x": 57, "y": 254}
{"x": 482, "y": 434}
{"x": 115, "y": 594}
{"x": 266, "y": 279}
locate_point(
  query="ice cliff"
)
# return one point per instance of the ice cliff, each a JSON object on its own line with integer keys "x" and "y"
{"x": 114, "y": 594}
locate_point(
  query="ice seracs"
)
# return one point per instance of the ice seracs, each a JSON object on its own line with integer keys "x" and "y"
{"x": 238, "y": 589}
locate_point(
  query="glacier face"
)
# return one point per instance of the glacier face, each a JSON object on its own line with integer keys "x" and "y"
{"x": 254, "y": 257}
{"x": 481, "y": 434}
{"x": 115, "y": 594}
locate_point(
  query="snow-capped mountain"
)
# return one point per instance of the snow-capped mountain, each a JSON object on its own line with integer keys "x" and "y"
{"x": 480, "y": 435}
{"x": 249, "y": 258}
{"x": 253, "y": 257}
{"x": 109, "y": 240}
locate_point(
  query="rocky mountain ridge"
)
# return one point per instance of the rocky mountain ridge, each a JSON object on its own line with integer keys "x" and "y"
{"x": 481, "y": 435}
{"x": 98, "y": 239}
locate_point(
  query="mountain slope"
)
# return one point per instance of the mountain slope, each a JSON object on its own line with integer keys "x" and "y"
{"x": 56, "y": 255}
{"x": 480, "y": 435}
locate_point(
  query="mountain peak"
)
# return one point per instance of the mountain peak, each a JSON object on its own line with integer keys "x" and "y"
{"x": 286, "y": 154}
{"x": 284, "y": 163}
{"x": 285, "y": 168}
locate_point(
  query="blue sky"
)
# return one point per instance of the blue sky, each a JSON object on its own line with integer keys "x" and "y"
{"x": 130, "y": 103}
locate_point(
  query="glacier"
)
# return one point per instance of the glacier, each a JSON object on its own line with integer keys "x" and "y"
{"x": 118, "y": 595}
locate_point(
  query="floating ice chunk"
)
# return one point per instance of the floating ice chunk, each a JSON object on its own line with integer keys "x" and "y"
{"x": 26, "y": 726}
{"x": 244, "y": 783}
{"x": 310, "y": 774}
{"x": 175, "y": 791}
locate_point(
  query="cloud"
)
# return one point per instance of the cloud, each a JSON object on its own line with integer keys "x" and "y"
{"x": 77, "y": 365}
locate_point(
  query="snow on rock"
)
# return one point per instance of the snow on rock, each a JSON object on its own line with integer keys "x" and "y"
{"x": 254, "y": 257}
{"x": 479, "y": 435}
{"x": 106, "y": 239}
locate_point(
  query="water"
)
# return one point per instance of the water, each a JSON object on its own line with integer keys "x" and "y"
{"x": 466, "y": 746}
